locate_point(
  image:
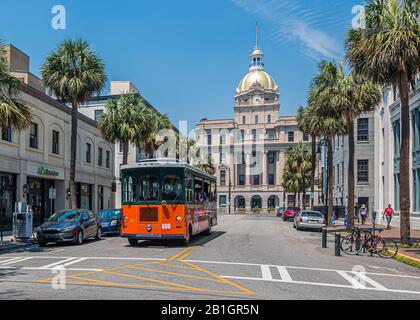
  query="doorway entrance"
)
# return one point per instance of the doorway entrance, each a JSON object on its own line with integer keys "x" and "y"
{"x": 39, "y": 200}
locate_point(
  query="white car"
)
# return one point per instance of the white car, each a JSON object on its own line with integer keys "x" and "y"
{"x": 313, "y": 220}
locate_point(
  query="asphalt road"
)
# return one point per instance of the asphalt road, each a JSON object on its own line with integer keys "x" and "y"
{"x": 247, "y": 257}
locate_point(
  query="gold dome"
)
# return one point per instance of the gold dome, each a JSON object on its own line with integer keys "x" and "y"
{"x": 257, "y": 78}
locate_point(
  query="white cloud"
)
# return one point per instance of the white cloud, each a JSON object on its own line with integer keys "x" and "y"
{"x": 297, "y": 21}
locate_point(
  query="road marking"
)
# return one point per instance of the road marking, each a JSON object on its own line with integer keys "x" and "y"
{"x": 355, "y": 283}
{"x": 372, "y": 282}
{"x": 284, "y": 274}
{"x": 323, "y": 285}
{"x": 74, "y": 262}
{"x": 13, "y": 261}
{"x": 300, "y": 268}
{"x": 266, "y": 272}
{"x": 59, "y": 263}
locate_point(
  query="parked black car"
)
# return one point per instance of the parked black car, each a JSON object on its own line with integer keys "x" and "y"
{"x": 70, "y": 226}
{"x": 110, "y": 220}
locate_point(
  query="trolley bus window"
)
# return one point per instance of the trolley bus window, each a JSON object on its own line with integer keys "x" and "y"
{"x": 127, "y": 189}
{"x": 172, "y": 188}
{"x": 188, "y": 189}
{"x": 198, "y": 190}
{"x": 147, "y": 188}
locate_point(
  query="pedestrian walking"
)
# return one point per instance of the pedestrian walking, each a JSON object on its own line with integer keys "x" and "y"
{"x": 389, "y": 214}
{"x": 363, "y": 213}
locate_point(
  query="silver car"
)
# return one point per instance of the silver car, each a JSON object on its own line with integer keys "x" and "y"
{"x": 313, "y": 220}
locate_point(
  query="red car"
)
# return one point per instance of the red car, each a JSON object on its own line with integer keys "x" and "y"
{"x": 290, "y": 213}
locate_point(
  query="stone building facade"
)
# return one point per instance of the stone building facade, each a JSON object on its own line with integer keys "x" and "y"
{"x": 37, "y": 160}
{"x": 248, "y": 151}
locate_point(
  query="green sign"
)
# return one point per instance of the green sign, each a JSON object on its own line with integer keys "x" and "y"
{"x": 47, "y": 172}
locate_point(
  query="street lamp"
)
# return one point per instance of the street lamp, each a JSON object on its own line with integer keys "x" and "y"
{"x": 325, "y": 186}
{"x": 230, "y": 192}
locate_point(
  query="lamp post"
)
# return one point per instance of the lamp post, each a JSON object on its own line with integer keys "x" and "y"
{"x": 230, "y": 192}
{"x": 323, "y": 144}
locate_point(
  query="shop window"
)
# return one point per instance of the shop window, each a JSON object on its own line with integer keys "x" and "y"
{"x": 33, "y": 136}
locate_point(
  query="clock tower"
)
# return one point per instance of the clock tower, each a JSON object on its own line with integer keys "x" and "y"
{"x": 257, "y": 95}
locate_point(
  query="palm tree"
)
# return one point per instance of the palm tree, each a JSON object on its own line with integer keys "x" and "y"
{"x": 387, "y": 51}
{"x": 353, "y": 95}
{"x": 13, "y": 113}
{"x": 125, "y": 121}
{"x": 73, "y": 72}
{"x": 304, "y": 125}
{"x": 326, "y": 117}
{"x": 153, "y": 137}
{"x": 207, "y": 167}
{"x": 297, "y": 173}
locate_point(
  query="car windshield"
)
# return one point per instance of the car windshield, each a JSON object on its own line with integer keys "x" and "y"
{"x": 312, "y": 214}
{"x": 65, "y": 216}
{"x": 109, "y": 214}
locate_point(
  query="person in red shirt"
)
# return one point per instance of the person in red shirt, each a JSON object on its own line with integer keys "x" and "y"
{"x": 389, "y": 213}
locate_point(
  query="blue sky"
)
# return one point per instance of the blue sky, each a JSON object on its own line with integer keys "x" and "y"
{"x": 188, "y": 56}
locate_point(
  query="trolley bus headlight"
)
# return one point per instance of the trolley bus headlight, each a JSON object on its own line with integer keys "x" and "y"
{"x": 179, "y": 219}
{"x": 149, "y": 228}
{"x": 125, "y": 219}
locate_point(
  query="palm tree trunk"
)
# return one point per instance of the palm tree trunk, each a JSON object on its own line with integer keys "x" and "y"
{"x": 313, "y": 171}
{"x": 405, "y": 200}
{"x": 330, "y": 180}
{"x": 125, "y": 153}
{"x": 350, "y": 178}
{"x": 73, "y": 154}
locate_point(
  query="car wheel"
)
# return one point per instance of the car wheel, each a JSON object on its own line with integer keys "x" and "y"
{"x": 42, "y": 243}
{"x": 133, "y": 242}
{"x": 98, "y": 234}
{"x": 79, "y": 238}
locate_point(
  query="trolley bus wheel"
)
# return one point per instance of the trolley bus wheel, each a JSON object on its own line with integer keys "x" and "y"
{"x": 133, "y": 242}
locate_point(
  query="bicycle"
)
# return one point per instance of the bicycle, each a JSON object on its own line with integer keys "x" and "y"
{"x": 368, "y": 240}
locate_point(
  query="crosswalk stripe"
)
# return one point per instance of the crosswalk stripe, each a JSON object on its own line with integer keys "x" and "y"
{"x": 74, "y": 262}
{"x": 285, "y": 276}
{"x": 59, "y": 263}
{"x": 13, "y": 261}
{"x": 266, "y": 273}
{"x": 8, "y": 260}
{"x": 372, "y": 282}
{"x": 353, "y": 281}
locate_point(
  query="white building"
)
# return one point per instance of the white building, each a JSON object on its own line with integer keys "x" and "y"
{"x": 364, "y": 165}
{"x": 387, "y": 154}
{"x": 96, "y": 107}
{"x": 249, "y": 150}
{"x": 38, "y": 159}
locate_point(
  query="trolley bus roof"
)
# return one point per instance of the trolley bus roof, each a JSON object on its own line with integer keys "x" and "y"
{"x": 164, "y": 163}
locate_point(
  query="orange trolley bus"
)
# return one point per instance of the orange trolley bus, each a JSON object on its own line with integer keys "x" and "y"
{"x": 166, "y": 199}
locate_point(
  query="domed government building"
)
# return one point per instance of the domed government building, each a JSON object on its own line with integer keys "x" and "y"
{"x": 248, "y": 151}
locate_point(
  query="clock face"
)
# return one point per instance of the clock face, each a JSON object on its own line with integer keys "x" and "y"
{"x": 257, "y": 99}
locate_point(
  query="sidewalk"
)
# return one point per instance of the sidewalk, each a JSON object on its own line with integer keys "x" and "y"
{"x": 393, "y": 234}
{"x": 9, "y": 245}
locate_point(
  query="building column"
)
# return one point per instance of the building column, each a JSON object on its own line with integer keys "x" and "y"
{"x": 248, "y": 170}
{"x": 264, "y": 168}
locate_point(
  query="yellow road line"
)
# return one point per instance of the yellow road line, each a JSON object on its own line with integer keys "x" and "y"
{"x": 177, "y": 274}
{"x": 175, "y": 266}
{"x": 172, "y": 286}
{"x": 148, "y": 279}
{"x": 244, "y": 290}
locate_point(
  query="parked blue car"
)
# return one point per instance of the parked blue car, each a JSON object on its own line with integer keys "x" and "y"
{"x": 110, "y": 220}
